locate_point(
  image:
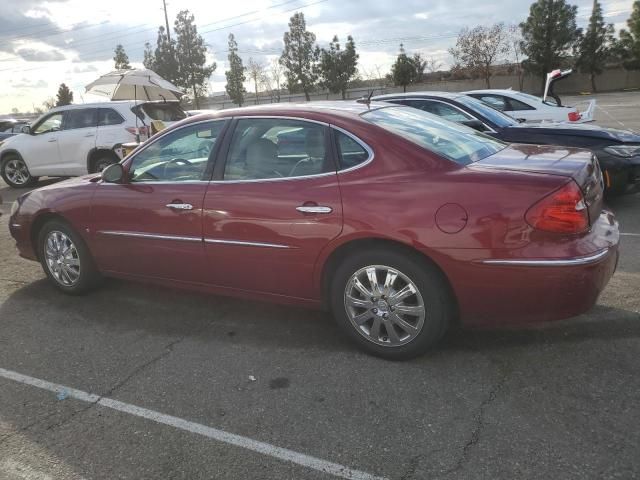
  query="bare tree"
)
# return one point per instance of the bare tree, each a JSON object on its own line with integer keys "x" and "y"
{"x": 275, "y": 76}
{"x": 256, "y": 73}
{"x": 514, "y": 40}
{"x": 433, "y": 65}
{"x": 479, "y": 49}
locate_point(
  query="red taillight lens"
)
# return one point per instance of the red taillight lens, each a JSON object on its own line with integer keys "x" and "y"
{"x": 574, "y": 116}
{"x": 564, "y": 211}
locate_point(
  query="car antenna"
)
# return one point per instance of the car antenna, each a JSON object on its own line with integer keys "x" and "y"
{"x": 367, "y": 100}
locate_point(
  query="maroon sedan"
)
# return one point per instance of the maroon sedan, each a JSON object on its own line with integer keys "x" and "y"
{"x": 400, "y": 222}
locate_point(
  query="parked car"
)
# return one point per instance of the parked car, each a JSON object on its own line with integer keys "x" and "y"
{"x": 79, "y": 139}
{"x": 618, "y": 151}
{"x": 398, "y": 221}
{"x": 11, "y": 127}
{"x": 531, "y": 109}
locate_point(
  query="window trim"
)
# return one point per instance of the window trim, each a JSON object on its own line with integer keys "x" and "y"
{"x": 44, "y": 119}
{"x": 364, "y": 145}
{"x": 215, "y": 152}
{"x": 473, "y": 115}
{"x": 219, "y": 168}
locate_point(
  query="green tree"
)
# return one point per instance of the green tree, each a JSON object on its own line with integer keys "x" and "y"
{"x": 191, "y": 53}
{"x": 548, "y": 36}
{"x": 300, "y": 56}
{"x": 419, "y": 66}
{"x": 629, "y": 45}
{"x": 121, "y": 58}
{"x": 478, "y": 49}
{"x": 595, "y": 47}
{"x": 149, "y": 60}
{"x": 235, "y": 74}
{"x": 338, "y": 67}
{"x": 403, "y": 70}
{"x": 65, "y": 96}
{"x": 164, "y": 62}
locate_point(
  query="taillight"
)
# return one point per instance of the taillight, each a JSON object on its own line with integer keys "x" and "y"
{"x": 138, "y": 130}
{"x": 574, "y": 116}
{"x": 563, "y": 211}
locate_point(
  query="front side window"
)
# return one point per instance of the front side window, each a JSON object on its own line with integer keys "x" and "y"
{"x": 52, "y": 123}
{"x": 350, "y": 152}
{"x": 80, "y": 118}
{"x": 453, "y": 141}
{"x": 181, "y": 155}
{"x": 268, "y": 148}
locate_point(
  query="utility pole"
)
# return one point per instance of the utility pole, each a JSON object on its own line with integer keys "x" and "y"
{"x": 166, "y": 20}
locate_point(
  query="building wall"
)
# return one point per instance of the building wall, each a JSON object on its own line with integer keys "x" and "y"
{"x": 611, "y": 80}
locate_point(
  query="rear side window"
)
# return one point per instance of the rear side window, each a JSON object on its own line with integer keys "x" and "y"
{"x": 350, "y": 152}
{"x": 80, "y": 118}
{"x": 516, "y": 105}
{"x": 268, "y": 148}
{"x": 165, "y": 112}
{"x": 108, "y": 116}
{"x": 495, "y": 101}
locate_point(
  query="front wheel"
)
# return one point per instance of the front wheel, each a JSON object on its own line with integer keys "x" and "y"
{"x": 15, "y": 172}
{"x": 394, "y": 305}
{"x": 65, "y": 258}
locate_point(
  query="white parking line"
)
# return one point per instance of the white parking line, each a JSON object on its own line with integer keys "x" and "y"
{"x": 285, "y": 454}
{"x": 630, "y": 234}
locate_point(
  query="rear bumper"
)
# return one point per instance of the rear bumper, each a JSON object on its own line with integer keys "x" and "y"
{"x": 506, "y": 291}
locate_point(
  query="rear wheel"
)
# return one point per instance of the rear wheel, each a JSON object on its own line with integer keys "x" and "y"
{"x": 65, "y": 258}
{"x": 15, "y": 172}
{"x": 393, "y": 305}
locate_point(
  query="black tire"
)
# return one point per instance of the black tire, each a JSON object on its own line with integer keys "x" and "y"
{"x": 439, "y": 306}
{"x": 88, "y": 275}
{"x": 102, "y": 162}
{"x": 8, "y": 164}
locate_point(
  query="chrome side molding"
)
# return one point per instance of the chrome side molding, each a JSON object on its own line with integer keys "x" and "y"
{"x": 150, "y": 236}
{"x": 569, "y": 262}
{"x": 246, "y": 244}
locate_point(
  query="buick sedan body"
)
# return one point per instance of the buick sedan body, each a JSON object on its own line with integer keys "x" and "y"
{"x": 401, "y": 223}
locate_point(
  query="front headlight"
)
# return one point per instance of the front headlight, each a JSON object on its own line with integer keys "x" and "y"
{"x": 625, "y": 151}
{"x": 14, "y": 208}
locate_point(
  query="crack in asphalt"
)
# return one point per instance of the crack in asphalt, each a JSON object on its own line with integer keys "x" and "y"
{"x": 480, "y": 418}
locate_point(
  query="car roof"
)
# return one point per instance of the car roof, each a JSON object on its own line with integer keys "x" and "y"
{"x": 322, "y": 110}
{"x": 502, "y": 91}
{"x": 422, "y": 94}
{"x": 107, "y": 104}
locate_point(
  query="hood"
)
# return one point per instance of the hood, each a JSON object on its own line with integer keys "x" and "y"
{"x": 580, "y": 130}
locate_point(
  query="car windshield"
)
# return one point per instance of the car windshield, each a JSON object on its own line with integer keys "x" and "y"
{"x": 499, "y": 119}
{"x": 461, "y": 144}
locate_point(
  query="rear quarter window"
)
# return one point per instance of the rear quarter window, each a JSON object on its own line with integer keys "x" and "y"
{"x": 165, "y": 112}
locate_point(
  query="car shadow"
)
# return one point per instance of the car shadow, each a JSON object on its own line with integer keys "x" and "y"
{"x": 123, "y": 306}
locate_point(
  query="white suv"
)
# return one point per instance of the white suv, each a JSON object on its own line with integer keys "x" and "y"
{"x": 79, "y": 139}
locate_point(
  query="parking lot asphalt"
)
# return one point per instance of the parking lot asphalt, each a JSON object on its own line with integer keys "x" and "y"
{"x": 191, "y": 386}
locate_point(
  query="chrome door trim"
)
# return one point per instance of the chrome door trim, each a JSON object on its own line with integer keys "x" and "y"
{"x": 117, "y": 233}
{"x": 179, "y": 206}
{"x": 277, "y": 179}
{"x": 569, "y": 262}
{"x": 314, "y": 209}
{"x": 246, "y": 244}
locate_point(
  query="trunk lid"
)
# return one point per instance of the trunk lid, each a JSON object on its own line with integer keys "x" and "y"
{"x": 580, "y": 165}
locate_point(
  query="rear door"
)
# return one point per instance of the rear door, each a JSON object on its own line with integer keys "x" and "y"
{"x": 272, "y": 207}
{"x": 76, "y": 139}
{"x": 151, "y": 225}
{"x": 111, "y": 129}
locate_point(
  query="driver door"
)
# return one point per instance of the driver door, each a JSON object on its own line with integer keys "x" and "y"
{"x": 43, "y": 155}
{"x": 151, "y": 224}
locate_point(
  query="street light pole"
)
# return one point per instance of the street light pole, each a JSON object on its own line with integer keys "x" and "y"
{"x": 166, "y": 20}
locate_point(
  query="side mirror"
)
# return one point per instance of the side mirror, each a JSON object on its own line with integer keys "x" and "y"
{"x": 475, "y": 124}
{"x": 114, "y": 173}
{"x": 26, "y": 129}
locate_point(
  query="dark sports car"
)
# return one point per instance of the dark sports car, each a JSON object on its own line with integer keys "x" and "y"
{"x": 618, "y": 151}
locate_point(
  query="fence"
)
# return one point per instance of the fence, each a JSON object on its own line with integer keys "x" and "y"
{"x": 611, "y": 80}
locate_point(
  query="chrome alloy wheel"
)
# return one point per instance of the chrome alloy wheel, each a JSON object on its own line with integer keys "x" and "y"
{"x": 384, "y": 305}
{"x": 63, "y": 260}
{"x": 17, "y": 172}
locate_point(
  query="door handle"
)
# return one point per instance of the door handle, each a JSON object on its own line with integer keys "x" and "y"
{"x": 52, "y": 140}
{"x": 89, "y": 135}
{"x": 314, "y": 209}
{"x": 180, "y": 206}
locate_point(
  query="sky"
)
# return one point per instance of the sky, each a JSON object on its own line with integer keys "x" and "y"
{"x": 44, "y": 43}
